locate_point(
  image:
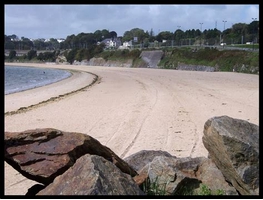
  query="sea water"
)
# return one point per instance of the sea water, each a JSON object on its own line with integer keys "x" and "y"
{"x": 18, "y": 79}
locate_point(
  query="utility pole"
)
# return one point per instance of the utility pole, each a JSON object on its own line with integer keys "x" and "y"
{"x": 178, "y": 27}
{"x": 254, "y": 19}
{"x": 224, "y": 24}
{"x": 201, "y": 34}
{"x": 223, "y": 31}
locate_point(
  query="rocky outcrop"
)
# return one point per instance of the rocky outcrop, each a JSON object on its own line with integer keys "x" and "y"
{"x": 182, "y": 66}
{"x": 43, "y": 154}
{"x": 69, "y": 163}
{"x": 96, "y": 62}
{"x": 61, "y": 60}
{"x": 92, "y": 175}
{"x": 107, "y": 63}
{"x": 183, "y": 176}
{"x": 233, "y": 145}
{"x": 138, "y": 160}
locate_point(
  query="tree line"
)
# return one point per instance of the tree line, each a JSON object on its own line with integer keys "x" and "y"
{"x": 239, "y": 33}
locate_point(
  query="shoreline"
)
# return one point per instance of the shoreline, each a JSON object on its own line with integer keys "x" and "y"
{"x": 40, "y": 85}
{"x": 54, "y": 91}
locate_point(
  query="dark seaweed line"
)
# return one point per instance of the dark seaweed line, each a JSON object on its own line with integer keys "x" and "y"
{"x": 25, "y": 109}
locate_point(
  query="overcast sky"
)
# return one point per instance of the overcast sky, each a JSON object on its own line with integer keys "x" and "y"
{"x": 59, "y": 21}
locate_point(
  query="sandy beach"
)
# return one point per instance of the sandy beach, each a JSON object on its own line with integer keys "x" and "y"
{"x": 131, "y": 109}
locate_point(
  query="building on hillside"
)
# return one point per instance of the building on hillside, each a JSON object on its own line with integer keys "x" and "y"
{"x": 60, "y": 40}
{"x": 127, "y": 44}
{"x": 111, "y": 43}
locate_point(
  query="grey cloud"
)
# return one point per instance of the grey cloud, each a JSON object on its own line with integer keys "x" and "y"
{"x": 62, "y": 20}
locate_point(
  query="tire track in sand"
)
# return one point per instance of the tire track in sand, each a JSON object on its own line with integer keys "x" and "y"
{"x": 180, "y": 122}
{"x": 145, "y": 87}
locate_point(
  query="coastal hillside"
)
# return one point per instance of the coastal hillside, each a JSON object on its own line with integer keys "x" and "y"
{"x": 221, "y": 60}
{"x": 173, "y": 58}
{"x": 167, "y": 58}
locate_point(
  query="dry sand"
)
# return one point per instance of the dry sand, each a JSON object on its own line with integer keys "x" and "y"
{"x": 130, "y": 109}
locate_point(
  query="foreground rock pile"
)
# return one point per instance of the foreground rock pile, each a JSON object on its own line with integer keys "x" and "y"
{"x": 66, "y": 163}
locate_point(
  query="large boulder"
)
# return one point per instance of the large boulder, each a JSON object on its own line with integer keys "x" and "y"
{"x": 92, "y": 175}
{"x": 185, "y": 176}
{"x": 43, "y": 154}
{"x": 138, "y": 160}
{"x": 233, "y": 145}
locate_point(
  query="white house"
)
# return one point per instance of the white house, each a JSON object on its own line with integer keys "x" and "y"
{"x": 127, "y": 44}
{"x": 60, "y": 40}
{"x": 111, "y": 43}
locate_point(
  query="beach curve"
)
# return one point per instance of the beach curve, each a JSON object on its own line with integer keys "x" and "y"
{"x": 32, "y": 98}
{"x": 142, "y": 109}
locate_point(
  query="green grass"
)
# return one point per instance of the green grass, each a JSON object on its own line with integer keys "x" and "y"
{"x": 226, "y": 60}
{"x": 194, "y": 188}
{"x": 153, "y": 188}
{"x": 206, "y": 191}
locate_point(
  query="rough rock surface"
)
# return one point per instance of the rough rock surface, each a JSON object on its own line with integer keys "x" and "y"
{"x": 233, "y": 145}
{"x": 177, "y": 174}
{"x": 102, "y": 62}
{"x": 61, "y": 59}
{"x": 182, "y": 66}
{"x": 77, "y": 164}
{"x": 92, "y": 175}
{"x": 43, "y": 154}
{"x": 138, "y": 160}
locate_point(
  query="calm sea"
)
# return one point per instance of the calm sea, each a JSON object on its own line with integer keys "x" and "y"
{"x": 18, "y": 79}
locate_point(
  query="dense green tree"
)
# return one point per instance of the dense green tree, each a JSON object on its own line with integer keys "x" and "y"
{"x": 113, "y": 34}
{"x": 139, "y": 33}
{"x": 99, "y": 48}
{"x": 80, "y": 54}
{"x": 71, "y": 55}
{"x": 12, "y": 55}
{"x": 164, "y": 35}
{"x": 238, "y": 33}
{"x": 53, "y": 43}
{"x": 31, "y": 54}
{"x": 211, "y": 33}
{"x": 134, "y": 33}
{"x": 98, "y": 35}
{"x": 41, "y": 57}
{"x": 26, "y": 44}
{"x": 9, "y": 44}
{"x": 39, "y": 44}
{"x": 127, "y": 36}
{"x": 178, "y": 35}
{"x": 253, "y": 27}
{"x": 105, "y": 33}
{"x": 151, "y": 36}
{"x": 146, "y": 42}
